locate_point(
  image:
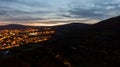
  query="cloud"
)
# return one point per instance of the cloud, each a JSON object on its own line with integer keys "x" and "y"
{"x": 99, "y": 9}
{"x": 40, "y": 10}
{"x": 25, "y": 10}
{"x": 80, "y": 13}
{"x": 2, "y": 12}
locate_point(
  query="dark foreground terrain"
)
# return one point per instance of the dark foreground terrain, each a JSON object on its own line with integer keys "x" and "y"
{"x": 73, "y": 45}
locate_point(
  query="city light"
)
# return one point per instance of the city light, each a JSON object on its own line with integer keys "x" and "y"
{"x": 18, "y": 37}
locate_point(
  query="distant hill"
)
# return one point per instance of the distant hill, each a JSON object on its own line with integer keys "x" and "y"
{"x": 13, "y": 26}
{"x": 73, "y": 29}
{"x": 18, "y": 26}
{"x": 73, "y": 26}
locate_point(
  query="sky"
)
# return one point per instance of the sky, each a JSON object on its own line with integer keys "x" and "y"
{"x": 56, "y": 12}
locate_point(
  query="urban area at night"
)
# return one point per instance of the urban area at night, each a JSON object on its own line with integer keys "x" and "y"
{"x": 59, "y": 33}
{"x": 14, "y": 38}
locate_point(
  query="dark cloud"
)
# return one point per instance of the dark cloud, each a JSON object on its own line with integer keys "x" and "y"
{"x": 3, "y": 12}
{"x": 87, "y": 13}
{"x": 64, "y": 15}
{"x": 20, "y": 19}
{"x": 25, "y": 18}
{"x": 9, "y": 0}
{"x": 95, "y": 10}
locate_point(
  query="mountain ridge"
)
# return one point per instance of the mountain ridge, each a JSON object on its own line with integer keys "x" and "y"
{"x": 108, "y": 24}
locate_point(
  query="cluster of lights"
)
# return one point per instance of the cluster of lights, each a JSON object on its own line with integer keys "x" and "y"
{"x": 14, "y": 38}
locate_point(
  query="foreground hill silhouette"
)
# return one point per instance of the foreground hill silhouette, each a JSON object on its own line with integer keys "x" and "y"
{"x": 96, "y": 46}
{"x": 73, "y": 45}
{"x": 109, "y": 24}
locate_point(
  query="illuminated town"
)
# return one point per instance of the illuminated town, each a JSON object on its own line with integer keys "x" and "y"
{"x": 15, "y": 38}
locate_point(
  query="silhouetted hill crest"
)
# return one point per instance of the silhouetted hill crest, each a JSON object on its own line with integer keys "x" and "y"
{"x": 13, "y": 26}
{"x": 72, "y": 26}
{"x": 109, "y": 24}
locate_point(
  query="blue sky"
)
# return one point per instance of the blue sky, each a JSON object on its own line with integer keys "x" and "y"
{"x": 52, "y": 12}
